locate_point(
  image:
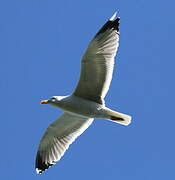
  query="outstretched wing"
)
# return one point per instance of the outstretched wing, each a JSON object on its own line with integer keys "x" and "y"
{"x": 98, "y": 62}
{"x": 57, "y": 138}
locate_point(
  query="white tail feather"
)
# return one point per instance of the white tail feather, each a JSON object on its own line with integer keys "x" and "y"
{"x": 119, "y": 118}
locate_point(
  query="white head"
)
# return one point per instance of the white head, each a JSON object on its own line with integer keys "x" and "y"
{"x": 55, "y": 100}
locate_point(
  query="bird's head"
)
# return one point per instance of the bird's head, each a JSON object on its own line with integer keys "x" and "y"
{"x": 55, "y": 100}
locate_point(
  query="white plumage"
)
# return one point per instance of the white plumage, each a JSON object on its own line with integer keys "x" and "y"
{"x": 87, "y": 101}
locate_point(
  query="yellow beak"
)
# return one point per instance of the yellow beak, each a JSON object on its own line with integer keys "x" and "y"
{"x": 44, "y": 102}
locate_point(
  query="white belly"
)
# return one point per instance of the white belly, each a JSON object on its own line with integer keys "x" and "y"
{"x": 82, "y": 107}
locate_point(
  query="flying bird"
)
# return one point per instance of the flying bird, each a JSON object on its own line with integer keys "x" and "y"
{"x": 87, "y": 101}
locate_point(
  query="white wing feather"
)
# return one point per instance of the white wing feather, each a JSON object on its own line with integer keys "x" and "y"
{"x": 57, "y": 138}
{"x": 98, "y": 62}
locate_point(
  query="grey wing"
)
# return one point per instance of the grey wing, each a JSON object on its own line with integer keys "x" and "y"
{"x": 57, "y": 138}
{"x": 98, "y": 62}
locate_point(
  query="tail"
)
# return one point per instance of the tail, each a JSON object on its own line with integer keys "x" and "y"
{"x": 118, "y": 117}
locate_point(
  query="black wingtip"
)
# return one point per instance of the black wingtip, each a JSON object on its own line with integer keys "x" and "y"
{"x": 41, "y": 166}
{"x": 112, "y": 23}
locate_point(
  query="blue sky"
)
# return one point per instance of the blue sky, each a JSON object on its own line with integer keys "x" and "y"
{"x": 41, "y": 45}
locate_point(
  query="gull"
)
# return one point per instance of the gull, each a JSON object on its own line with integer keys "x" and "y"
{"x": 87, "y": 101}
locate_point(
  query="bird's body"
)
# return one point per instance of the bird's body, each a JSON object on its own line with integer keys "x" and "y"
{"x": 87, "y": 101}
{"x": 73, "y": 104}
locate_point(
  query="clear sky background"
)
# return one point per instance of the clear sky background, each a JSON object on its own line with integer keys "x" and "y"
{"x": 41, "y": 44}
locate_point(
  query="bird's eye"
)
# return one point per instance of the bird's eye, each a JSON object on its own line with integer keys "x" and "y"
{"x": 53, "y": 99}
